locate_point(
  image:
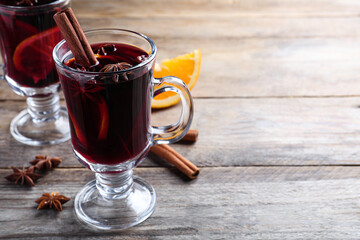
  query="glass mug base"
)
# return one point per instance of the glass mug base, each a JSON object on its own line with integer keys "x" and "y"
{"x": 130, "y": 209}
{"x": 30, "y": 132}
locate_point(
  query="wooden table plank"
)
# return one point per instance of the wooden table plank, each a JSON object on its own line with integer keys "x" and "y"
{"x": 203, "y": 8}
{"x": 228, "y": 27}
{"x": 233, "y": 132}
{"x": 223, "y": 203}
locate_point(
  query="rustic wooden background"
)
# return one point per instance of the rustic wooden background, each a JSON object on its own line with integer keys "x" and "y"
{"x": 277, "y": 106}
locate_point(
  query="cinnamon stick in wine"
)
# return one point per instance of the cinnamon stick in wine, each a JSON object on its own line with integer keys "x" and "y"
{"x": 75, "y": 37}
{"x": 169, "y": 154}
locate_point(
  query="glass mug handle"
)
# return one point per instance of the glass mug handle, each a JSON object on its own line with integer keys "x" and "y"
{"x": 174, "y": 132}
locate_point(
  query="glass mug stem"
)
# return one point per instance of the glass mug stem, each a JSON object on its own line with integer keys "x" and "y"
{"x": 44, "y": 108}
{"x": 43, "y": 120}
{"x": 114, "y": 186}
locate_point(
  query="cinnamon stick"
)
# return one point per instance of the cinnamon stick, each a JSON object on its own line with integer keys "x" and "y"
{"x": 169, "y": 154}
{"x": 75, "y": 37}
{"x": 191, "y": 136}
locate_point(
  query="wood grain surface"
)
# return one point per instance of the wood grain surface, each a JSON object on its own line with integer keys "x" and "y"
{"x": 223, "y": 203}
{"x": 277, "y": 106}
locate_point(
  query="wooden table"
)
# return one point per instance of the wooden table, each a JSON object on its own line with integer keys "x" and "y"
{"x": 277, "y": 106}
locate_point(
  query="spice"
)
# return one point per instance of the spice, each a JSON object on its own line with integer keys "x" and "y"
{"x": 191, "y": 136}
{"x": 45, "y": 162}
{"x": 104, "y": 49}
{"x": 115, "y": 68}
{"x": 175, "y": 158}
{"x": 24, "y": 176}
{"x": 53, "y": 200}
{"x": 75, "y": 37}
{"x": 81, "y": 69}
{"x": 26, "y": 2}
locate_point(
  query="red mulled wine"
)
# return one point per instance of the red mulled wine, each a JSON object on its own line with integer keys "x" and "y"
{"x": 28, "y": 35}
{"x": 109, "y": 112}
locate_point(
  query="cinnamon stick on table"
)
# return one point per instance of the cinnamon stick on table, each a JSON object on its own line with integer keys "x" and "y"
{"x": 75, "y": 37}
{"x": 169, "y": 154}
{"x": 191, "y": 136}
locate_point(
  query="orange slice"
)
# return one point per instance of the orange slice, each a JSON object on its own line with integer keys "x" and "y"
{"x": 33, "y": 56}
{"x": 186, "y": 67}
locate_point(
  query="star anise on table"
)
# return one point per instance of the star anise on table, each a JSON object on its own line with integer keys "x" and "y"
{"x": 53, "y": 200}
{"x": 26, "y": 2}
{"x": 45, "y": 162}
{"x": 24, "y": 176}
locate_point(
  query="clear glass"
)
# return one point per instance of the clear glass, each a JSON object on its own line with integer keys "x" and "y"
{"x": 111, "y": 132}
{"x": 28, "y": 36}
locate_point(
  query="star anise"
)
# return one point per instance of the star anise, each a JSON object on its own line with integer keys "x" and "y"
{"x": 26, "y": 2}
{"x": 115, "y": 68}
{"x": 45, "y": 162}
{"x": 24, "y": 176}
{"x": 104, "y": 49}
{"x": 81, "y": 69}
{"x": 53, "y": 200}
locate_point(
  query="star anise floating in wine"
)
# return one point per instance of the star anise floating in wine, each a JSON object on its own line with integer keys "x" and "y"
{"x": 115, "y": 68}
{"x": 24, "y": 176}
{"x": 27, "y": 2}
{"x": 53, "y": 200}
{"x": 104, "y": 49}
{"x": 45, "y": 162}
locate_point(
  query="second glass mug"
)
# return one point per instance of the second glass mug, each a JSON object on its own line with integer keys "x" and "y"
{"x": 111, "y": 131}
{"x": 28, "y": 36}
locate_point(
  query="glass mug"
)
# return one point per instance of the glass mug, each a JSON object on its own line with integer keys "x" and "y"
{"x": 111, "y": 131}
{"x": 28, "y": 36}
